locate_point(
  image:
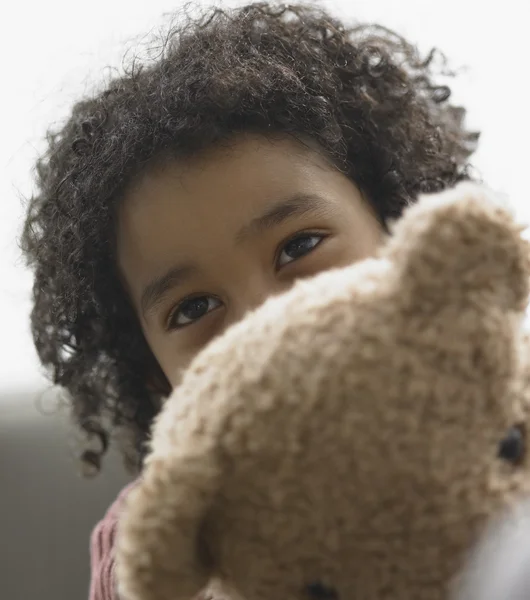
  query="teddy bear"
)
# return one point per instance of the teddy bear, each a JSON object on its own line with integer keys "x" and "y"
{"x": 353, "y": 437}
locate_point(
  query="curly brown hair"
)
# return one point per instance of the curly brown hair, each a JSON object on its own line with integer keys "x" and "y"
{"x": 362, "y": 93}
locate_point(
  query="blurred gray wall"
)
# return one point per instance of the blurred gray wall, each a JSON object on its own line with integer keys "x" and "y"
{"x": 47, "y": 510}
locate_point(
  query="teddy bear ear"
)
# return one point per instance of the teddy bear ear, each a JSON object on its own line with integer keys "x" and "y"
{"x": 161, "y": 550}
{"x": 460, "y": 242}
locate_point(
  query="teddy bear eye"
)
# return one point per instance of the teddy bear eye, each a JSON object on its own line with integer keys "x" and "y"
{"x": 512, "y": 447}
{"x": 319, "y": 591}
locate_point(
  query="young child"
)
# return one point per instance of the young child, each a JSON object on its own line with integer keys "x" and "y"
{"x": 265, "y": 144}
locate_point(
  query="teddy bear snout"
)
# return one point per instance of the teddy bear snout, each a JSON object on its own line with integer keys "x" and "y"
{"x": 320, "y": 591}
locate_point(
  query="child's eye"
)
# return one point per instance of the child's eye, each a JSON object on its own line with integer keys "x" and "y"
{"x": 191, "y": 310}
{"x": 299, "y": 246}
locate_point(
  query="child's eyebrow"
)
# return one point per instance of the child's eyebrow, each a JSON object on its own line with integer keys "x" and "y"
{"x": 156, "y": 289}
{"x": 296, "y": 205}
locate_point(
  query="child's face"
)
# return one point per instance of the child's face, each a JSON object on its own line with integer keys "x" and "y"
{"x": 197, "y": 249}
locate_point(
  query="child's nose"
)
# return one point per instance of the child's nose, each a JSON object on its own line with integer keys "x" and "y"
{"x": 255, "y": 293}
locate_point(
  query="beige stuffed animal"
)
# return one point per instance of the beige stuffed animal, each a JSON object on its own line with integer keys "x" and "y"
{"x": 350, "y": 439}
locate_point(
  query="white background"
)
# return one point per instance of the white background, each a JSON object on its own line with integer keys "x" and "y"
{"x": 55, "y": 51}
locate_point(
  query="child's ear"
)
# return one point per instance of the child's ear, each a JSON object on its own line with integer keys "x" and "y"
{"x": 458, "y": 243}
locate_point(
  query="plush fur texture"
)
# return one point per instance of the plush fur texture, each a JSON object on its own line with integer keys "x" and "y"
{"x": 351, "y": 438}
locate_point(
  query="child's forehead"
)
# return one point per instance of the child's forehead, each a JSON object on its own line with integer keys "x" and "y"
{"x": 181, "y": 209}
{"x": 240, "y": 149}
{"x": 253, "y": 167}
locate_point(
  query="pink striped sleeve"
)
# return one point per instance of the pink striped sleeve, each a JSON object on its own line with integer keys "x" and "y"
{"x": 102, "y": 585}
